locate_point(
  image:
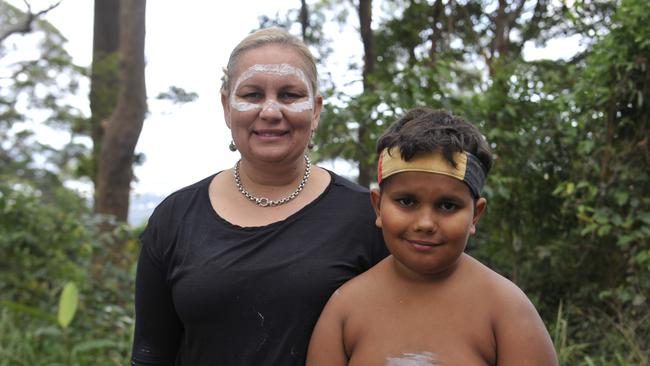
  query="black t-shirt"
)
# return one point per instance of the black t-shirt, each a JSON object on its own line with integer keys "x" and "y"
{"x": 212, "y": 293}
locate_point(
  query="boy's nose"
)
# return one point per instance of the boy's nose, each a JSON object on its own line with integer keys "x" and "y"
{"x": 425, "y": 221}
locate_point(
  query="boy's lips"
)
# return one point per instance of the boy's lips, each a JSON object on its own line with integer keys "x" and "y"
{"x": 423, "y": 244}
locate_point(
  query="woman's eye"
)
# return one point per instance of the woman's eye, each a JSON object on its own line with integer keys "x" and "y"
{"x": 252, "y": 96}
{"x": 290, "y": 96}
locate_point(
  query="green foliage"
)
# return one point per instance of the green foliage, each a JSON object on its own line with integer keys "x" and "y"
{"x": 178, "y": 95}
{"x": 42, "y": 82}
{"x": 48, "y": 242}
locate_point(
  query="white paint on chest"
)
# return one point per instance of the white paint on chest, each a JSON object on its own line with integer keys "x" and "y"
{"x": 414, "y": 359}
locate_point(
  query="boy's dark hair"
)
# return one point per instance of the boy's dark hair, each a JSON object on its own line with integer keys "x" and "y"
{"x": 424, "y": 129}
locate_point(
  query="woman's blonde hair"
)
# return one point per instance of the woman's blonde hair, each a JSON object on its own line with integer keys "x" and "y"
{"x": 272, "y": 35}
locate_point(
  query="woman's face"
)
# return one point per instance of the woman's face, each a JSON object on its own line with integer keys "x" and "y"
{"x": 271, "y": 109}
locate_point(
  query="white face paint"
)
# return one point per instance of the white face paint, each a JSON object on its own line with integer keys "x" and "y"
{"x": 272, "y": 104}
{"x": 414, "y": 359}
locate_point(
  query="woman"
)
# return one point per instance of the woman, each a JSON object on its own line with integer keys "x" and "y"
{"x": 235, "y": 269}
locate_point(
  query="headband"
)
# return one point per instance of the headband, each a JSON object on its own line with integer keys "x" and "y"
{"x": 468, "y": 168}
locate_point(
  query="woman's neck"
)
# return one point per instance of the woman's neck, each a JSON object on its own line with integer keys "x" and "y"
{"x": 271, "y": 179}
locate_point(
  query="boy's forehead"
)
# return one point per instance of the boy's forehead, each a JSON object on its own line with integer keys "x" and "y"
{"x": 425, "y": 182}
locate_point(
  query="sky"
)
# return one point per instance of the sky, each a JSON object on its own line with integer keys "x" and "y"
{"x": 187, "y": 43}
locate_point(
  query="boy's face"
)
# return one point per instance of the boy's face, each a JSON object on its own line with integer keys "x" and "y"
{"x": 426, "y": 219}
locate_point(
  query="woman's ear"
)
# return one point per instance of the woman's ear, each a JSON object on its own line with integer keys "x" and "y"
{"x": 225, "y": 105}
{"x": 479, "y": 208}
{"x": 375, "y": 199}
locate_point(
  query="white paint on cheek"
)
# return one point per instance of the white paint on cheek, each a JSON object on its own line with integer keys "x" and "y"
{"x": 275, "y": 69}
{"x": 414, "y": 359}
{"x": 300, "y": 106}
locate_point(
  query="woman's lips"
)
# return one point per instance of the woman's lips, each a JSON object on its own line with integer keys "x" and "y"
{"x": 270, "y": 135}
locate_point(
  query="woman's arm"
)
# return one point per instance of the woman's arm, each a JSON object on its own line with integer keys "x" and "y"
{"x": 157, "y": 327}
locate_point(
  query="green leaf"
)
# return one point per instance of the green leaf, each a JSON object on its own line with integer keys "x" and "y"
{"x": 601, "y": 217}
{"x": 29, "y": 310}
{"x": 604, "y": 230}
{"x": 638, "y": 300}
{"x": 68, "y": 304}
{"x": 94, "y": 344}
{"x": 621, "y": 197}
{"x": 625, "y": 240}
{"x": 642, "y": 256}
{"x": 570, "y": 188}
{"x": 645, "y": 217}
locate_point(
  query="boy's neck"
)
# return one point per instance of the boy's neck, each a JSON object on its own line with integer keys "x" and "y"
{"x": 407, "y": 275}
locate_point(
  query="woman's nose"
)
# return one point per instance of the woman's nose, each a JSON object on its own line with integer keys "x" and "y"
{"x": 271, "y": 110}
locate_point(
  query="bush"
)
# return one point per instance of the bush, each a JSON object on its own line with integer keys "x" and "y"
{"x": 46, "y": 244}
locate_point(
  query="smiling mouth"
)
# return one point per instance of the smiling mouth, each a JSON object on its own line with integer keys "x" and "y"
{"x": 270, "y": 133}
{"x": 422, "y": 244}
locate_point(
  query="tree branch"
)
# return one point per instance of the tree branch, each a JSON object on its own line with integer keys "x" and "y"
{"x": 26, "y": 25}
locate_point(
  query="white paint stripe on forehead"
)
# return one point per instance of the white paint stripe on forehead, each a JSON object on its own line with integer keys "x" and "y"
{"x": 277, "y": 69}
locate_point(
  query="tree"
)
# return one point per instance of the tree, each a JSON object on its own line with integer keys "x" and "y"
{"x": 104, "y": 78}
{"x": 119, "y": 133}
{"x": 364, "y": 10}
{"x": 34, "y": 91}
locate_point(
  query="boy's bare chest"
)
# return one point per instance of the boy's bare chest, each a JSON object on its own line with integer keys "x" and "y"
{"x": 434, "y": 335}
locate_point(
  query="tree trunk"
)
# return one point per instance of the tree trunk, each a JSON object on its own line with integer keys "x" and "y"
{"x": 121, "y": 133}
{"x": 500, "y": 47}
{"x": 436, "y": 32}
{"x": 504, "y": 22}
{"x": 104, "y": 79}
{"x": 365, "y": 20}
{"x": 304, "y": 19}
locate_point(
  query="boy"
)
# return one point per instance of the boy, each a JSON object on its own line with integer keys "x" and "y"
{"x": 429, "y": 303}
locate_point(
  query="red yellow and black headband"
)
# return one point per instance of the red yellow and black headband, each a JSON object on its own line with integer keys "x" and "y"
{"x": 468, "y": 168}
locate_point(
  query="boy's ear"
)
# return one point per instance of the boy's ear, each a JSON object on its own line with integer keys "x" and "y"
{"x": 375, "y": 198}
{"x": 479, "y": 208}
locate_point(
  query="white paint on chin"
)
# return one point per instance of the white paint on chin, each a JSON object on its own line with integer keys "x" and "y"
{"x": 414, "y": 359}
{"x": 275, "y": 69}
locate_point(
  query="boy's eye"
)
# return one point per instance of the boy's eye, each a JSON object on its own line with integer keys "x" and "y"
{"x": 405, "y": 201}
{"x": 448, "y": 206}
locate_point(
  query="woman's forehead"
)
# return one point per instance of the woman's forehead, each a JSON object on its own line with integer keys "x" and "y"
{"x": 267, "y": 55}
{"x": 283, "y": 71}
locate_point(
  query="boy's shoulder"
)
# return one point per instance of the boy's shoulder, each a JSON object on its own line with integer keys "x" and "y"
{"x": 488, "y": 281}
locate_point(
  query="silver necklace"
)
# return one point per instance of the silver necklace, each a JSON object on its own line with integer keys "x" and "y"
{"x": 266, "y": 202}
